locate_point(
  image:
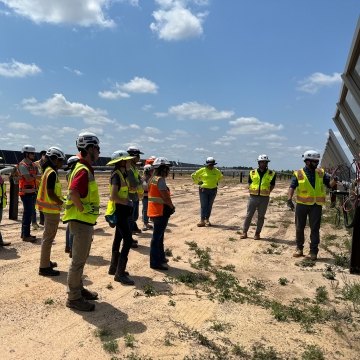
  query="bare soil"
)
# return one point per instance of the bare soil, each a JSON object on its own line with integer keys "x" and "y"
{"x": 181, "y": 321}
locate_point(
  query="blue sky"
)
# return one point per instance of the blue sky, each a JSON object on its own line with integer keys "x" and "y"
{"x": 185, "y": 79}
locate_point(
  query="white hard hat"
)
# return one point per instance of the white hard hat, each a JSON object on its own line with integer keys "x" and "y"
{"x": 134, "y": 151}
{"x": 263, "y": 157}
{"x": 86, "y": 139}
{"x": 311, "y": 155}
{"x": 119, "y": 155}
{"x": 72, "y": 160}
{"x": 55, "y": 151}
{"x": 147, "y": 167}
{"x": 28, "y": 148}
{"x": 210, "y": 161}
{"x": 161, "y": 161}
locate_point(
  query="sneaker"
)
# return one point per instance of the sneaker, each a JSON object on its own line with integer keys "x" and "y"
{"x": 89, "y": 295}
{"x": 80, "y": 304}
{"x": 201, "y": 223}
{"x": 35, "y": 226}
{"x": 298, "y": 253}
{"x": 49, "y": 271}
{"x": 243, "y": 235}
{"x": 257, "y": 236}
{"x": 312, "y": 256}
{"x": 30, "y": 238}
{"x": 124, "y": 279}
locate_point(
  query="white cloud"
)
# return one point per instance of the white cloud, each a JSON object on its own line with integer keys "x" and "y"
{"x": 180, "y": 132}
{"x": 178, "y": 146}
{"x": 196, "y": 111}
{"x": 152, "y": 131}
{"x": 147, "y": 107}
{"x": 74, "y": 71}
{"x": 113, "y": 95}
{"x": 18, "y": 69}
{"x": 78, "y": 12}
{"x": 58, "y": 106}
{"x": 214, "y": 128}
{"x": 272, "y": 137}
{"x": 318, "y": 80}
{"x": 20, "y": 126}
{"x": 251, "y": 125}
{"x": 174, "y": 21}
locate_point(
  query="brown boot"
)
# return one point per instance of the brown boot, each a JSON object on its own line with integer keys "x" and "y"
{"x": 243, "y": 235}
{"x": 257, "y": 236}
{"x": 201, "y": 223}
{"x": 298, "y": 253}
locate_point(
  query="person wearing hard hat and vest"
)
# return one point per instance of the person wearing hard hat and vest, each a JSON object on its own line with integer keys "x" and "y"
{"x": 207, "y": 178}
{"x": 160, "y": 208}
{"x": 3, "y": 200}
{"x": 81, "y": 212}
{"x": 261, "y": 183}
{"x": 39, "y": 164}
{"x": 28, "y": 176}
{"x": 121, "y": 206}
{"x": 50, "y": 201}
{"x": 147, "y": 174}
{"x": 136, "y": 190}
{"x": 309, "y": 183}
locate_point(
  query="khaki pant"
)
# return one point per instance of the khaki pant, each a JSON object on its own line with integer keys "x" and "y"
{"x": 50, "y": 230}
{"x": 83, "y": 235}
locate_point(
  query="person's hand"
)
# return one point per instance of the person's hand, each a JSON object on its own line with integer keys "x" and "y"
{"x": 88, "y": 209}
{"x": 200, "y": 183}
{"x": 290, "y": 204}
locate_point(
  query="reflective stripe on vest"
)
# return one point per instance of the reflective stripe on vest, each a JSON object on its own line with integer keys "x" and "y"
{"x": 43, "y": 201}
{"x": 92, "y": 198}
{"x": 123, "y": 193}
{"x": 28, "y": 187}
{"x": 265, "y": 184}
{"x": 305, "y": 193}
{"x": 3, "y": 197}
{"x": 156, "y": 202}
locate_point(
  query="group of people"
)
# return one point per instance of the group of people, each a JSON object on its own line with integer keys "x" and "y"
{"x": 127, "y": 187}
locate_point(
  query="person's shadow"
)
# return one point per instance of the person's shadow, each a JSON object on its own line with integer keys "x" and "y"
{"x": 278, "y": 241}
{"x": 225, "y": 227}
{"x": 7, "y": 253}
{"x": 96, "y": 260}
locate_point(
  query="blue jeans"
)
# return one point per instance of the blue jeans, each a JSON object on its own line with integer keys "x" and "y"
{"x": 68, "y": 238}
{"x": 207, "y": 197}
{"x": 157, "y": 252}
{"x": 28, "y": 201}
{"x": 145, "y": 202}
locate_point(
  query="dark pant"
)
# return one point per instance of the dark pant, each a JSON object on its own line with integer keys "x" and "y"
{"x": 28, "y": 201}
{"x": 122, "y": 231}
{"x": 145, "y": 202}
{"x": 314, "y": 213}
{"x": 134, "y": 216}
{"x": 157, "y": 252}
{"x": 207, "y": 197}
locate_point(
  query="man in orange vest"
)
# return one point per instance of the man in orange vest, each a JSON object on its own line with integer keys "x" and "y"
{"x": 29, "y": 174}
{"x": 310, "y": 197}
{"x": 39, "y": 163}
{"x": 49, "y": 201}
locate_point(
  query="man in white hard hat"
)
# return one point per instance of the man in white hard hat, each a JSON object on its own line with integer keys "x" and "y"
{"x": 261, "y": 184}
{"x": 3, "y": 200}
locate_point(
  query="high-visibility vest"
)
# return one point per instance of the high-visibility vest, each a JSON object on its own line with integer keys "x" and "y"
{"x": 37, "y": 164}
{"x": 92, "y": 198}
{"x": 156, "y": 202}
{"x": 264, "y": 185}
{"x": 123, "y": 193}
{"x": 3, "y": 197}
{"x": 139, "y": 188}
{"x": 209, "y": 177}
{"x": 43, "y": 201}
{"x": 28, "y": 187}
{"x": 305, "y": 193}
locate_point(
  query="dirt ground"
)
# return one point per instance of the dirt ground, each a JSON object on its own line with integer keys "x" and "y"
{"x": 167, "y": 315}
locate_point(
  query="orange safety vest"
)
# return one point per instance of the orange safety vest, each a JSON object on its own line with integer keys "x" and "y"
{"x": 305, "y": 193}
{"x": 156, "y": 202}
{"x": 28, "y": 187}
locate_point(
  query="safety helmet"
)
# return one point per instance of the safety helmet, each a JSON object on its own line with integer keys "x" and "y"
{"x": 311, "y": 155}
{"x": 134, "y": 151}
{"x": 149, "y": 161}
{"x": 263, "y": 157}
{"x": 72, "y": 160}
{"x": 161, "y": 161}
{"x": 210, "y": 161}
{"x": 28, "y": 148}
{"x": 55, "y": 151}
{"x": 147, "y": 168}
{"x": 119, "y": 155}
{"x": 86, "y": 139}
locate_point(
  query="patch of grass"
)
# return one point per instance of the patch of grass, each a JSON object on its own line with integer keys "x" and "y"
{"x": 322, "y": 295}
{"x": 129, "y": 340}
{"x": 272, "y": 251}
{"x": 329, "y": 273}
{"x": 232, "y": 239}
{"x": 109, "y": 286}
{"x": 177, "y": 258}
{"x": 260, "y": 352}
{"x": 111, "y": 346}
{"x": 306, "y": 262}
{"x": 351, "y": 292}
{"x": 149, "y": 290}
{"x": 341, "y": 260}
{"x": 257, "y": 284}
{"x": 133, "y": 356}
{"x": 103, "y": 334}
{"x": 219, "y": 326}
{"x": 168, "y": 252}
{"x": 312, "y": 352}
{"x": 283, "y": 281}
{"x": 192, "y": 244}
{"x": 228, "y": 267}
{"x": 172, "y": 302}
{"x": 49, "y": 301}
{"x": 239, "y": 350}
{"x": 204, "y": 259}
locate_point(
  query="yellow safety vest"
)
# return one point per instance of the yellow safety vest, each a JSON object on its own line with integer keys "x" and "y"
{"x": 305, "y": 193}
{"x": 92, "y": 198}
{"x": 3, "y": 197}
{"x": 123, "y": 193}
{"x": 265, "y": 184}
{"x": 139, "y": 187}
{"x": 209, "y": 177}
{"x": 43, "y": 201}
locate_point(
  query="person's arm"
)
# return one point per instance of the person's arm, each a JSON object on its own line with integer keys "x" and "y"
{"x": 196, "y": 177}
{"x": 50, "y": 185}
{"x": 164, "y": 193}
{"x": 79, "y": 183}
{"x": 133, "y": 183}
{"x": 272, "y": 183}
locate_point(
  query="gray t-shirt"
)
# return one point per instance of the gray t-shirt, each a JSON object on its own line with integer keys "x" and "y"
{"x": 162, "y": 184}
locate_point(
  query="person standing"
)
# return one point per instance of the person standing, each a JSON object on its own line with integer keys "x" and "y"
{"x": 207, "y": 178}
{"x": 81, "y": 212}
{"x": 309, "y": 183}
{"x": 120, "y": 204}
{"x": 160, "y": 208}
{"x": 261, "y": 183}
{"x": 49, "y": 201}
{"x": 28, "y": 175}
{"x": 148, "y": 170}
{"x": 39, "y": 164}
{"x": 3, "y": 200}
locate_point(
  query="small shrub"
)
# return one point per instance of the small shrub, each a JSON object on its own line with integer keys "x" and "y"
{"x": 329, "y": 273}
{"x": 312, "y": 352}
{"x": 260, "y": 352}
{"x": 172, "y": 302}
{"x": 231, "y": 239}
{"x": 283, "y": 281}
{"x": 322, "y": 295}
{"x": 168, "y": 252}
{"x": 307, "y": 262}
{"x": 341, "y": 260}
{"x": 228, "y": 267}
{"x": 111, "y": 346}
{"x": 351, "y": 292}
{"x": 129, "y": 340}
{"x": 103, "y": 334}
{"x": 49, "y": 301}
{"x": 149, "y": 290}
{"x": 192, "y": 245}
{"x": 218, "y": 326}
{"x": 109, "y": 286}
{"x": 239, "y": 351}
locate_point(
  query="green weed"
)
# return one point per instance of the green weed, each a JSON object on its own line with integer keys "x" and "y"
{"x": 49, "y": 301}
{"x": 129, "y": 340}
{"x": 322, "y": 295}
{"x": 312, "y": 352}
{"x": 283, "y": 281}
{"x": 149, "y": 290}
{"x": 111, "y": 346}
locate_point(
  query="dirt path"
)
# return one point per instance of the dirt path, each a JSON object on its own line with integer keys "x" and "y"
{"x": 179, "y": 321}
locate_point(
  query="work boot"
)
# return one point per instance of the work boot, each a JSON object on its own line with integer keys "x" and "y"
{"x": 80, "y": 304}
{"x": 53, "y": 264}
{"x": 312, "y": 256}
{"x": 89, "y": 295}
{"x": 121, "y": 275}
{"x": 298, "y": 253}
{"x": 49, "y": 271}
{"x": 67, "y": 250}
{"x": 243, "y": 235}
{"x": 35, "y": 226}
{"x": 134, "y": 244}
{"x": 30, "y": 238}
{"x": 4, "y": 243}
{"x": 113, "y": 263}
{"x": 257, "y": 236}
{"x": 201, "y": 223}
{"x": 207, "y": 222}
{"x": 136, "y": 230}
